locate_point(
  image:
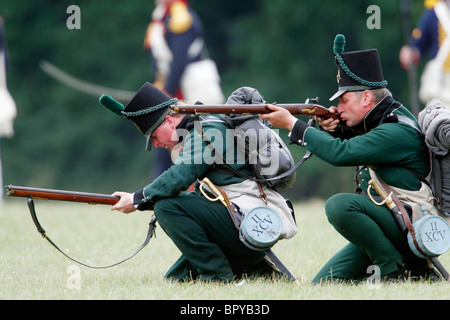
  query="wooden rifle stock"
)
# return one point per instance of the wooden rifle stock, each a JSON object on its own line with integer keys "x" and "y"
{"x": 62, "y": 195}
{"x": 294, "y": 108}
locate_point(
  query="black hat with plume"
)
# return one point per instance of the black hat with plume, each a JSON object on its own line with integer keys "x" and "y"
{"x": 147, "y": 109}
{"x": 357, "y": 70}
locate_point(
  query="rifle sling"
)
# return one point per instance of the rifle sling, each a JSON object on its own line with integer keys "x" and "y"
{"x": 151, "y": 231}
{"x": 404, "y": 214}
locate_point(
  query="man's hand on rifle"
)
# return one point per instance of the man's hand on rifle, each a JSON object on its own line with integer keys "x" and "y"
{"x": 125, "y": 204}
{"x": 328, "y": 124}
{"x": 280, "y": 118}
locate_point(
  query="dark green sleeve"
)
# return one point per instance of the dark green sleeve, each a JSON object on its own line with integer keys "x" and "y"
{"x": 194, "y": 162}
{"x": 388, "y": 143}
{"x": 387, "y": 148}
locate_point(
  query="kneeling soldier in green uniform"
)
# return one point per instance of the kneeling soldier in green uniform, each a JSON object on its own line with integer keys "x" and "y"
{"x": 373, "y": 139}
{"x": 201, "y": 229}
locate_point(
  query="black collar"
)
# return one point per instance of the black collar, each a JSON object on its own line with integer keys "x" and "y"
{"x": 380, "y": 113}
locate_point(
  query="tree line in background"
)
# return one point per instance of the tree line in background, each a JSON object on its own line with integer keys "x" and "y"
{"x": 66, "y": 139}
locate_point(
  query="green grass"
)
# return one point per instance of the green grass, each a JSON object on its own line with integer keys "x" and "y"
{"x": 31, "y": 269}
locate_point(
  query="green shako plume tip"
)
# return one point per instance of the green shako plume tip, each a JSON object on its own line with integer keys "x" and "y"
{"x": 111, "y": 104}
{"x": 339, "y": 44}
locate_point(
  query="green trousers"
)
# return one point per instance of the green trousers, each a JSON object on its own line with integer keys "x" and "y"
{"x": 374, "y": 236}
{"x": 207, "y": 238}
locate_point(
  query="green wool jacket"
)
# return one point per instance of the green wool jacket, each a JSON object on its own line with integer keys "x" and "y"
{"x": 195, "y": 162}
{"x": 380, "y": 141}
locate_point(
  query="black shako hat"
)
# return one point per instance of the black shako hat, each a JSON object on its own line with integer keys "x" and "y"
{"x": 147, "y": 109}
{"x": 357, "y": 70}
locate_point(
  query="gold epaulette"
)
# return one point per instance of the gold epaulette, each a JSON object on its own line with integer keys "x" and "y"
{"x": 181, "y": 19}
{"x": 429, "y": 4}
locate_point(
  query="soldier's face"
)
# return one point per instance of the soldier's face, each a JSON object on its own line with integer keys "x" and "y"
{"x": 352, "y": 107}
{"x": 162, "y": 136}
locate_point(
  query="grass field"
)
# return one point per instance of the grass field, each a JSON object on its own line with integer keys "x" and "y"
{"x": 31, "y": 269}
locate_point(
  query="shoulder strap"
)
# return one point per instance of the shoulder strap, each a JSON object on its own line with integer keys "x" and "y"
{"x": 201, "y": 133}
{"x": 218, "y": 156}
{"x": 412, "y": 123}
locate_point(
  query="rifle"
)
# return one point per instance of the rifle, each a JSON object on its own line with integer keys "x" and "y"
{"x": 309, "y": 109}
{"x": 73, "y": 196}
{"x": 62, "y": 195}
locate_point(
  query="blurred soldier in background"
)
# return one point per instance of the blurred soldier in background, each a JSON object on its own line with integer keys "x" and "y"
{"x": 7, "y": 105}
{"x": 431, "y": 37}
{"x": 182, "y": 68}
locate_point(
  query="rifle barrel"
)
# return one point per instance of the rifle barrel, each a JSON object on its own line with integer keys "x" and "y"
{"x": 61, "y": 195}
{"x": 297, "y": 108}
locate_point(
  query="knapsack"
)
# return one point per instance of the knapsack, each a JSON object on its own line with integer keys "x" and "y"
{"x": 261, "y": 147}
{"x": 259, "y": 144}
{"x": 434, "y": 121}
